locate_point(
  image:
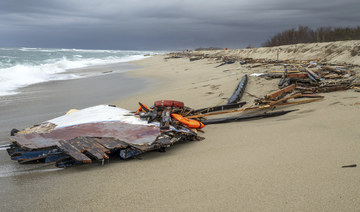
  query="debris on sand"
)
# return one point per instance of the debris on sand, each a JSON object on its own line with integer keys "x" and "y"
{"x": 101, "y": 132}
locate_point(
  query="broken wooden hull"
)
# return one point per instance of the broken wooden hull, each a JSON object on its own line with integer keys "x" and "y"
{"x": 75, "y": 139}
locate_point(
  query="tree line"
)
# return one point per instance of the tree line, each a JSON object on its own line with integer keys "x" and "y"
{"x": 304, "y": 34}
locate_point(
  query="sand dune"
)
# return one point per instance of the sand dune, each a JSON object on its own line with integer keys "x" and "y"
{"x": 331, "y": 52}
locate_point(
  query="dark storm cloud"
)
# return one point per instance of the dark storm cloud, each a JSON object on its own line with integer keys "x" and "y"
{"x": 115, "y": 24}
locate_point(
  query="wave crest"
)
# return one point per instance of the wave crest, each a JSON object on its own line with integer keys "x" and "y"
{"x": 27, "y": 72}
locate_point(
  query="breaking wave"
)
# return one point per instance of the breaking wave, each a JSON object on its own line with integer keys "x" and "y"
{"x": 20, "y": 67}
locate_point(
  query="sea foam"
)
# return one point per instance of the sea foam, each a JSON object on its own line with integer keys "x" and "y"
{"x": 26, "y": 66}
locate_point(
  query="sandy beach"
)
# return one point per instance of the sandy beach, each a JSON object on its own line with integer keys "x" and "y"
{"x": 287, "y": 163}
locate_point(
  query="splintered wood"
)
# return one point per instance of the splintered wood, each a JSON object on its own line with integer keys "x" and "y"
{"x": 280, "y": 92}
{"x": 299, "y": 79}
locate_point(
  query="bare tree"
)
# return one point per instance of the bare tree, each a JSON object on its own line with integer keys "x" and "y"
{"x": 304, "y": 34}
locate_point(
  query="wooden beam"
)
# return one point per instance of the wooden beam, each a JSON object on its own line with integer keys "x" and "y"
{"x": 273, "y": 104}
{"x": 280, "y": 92}
{"x": 313, "y": 74}
{"x": 296, "y": 75}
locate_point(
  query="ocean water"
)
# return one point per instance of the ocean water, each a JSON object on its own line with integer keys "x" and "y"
{"x": 21, "y": 67}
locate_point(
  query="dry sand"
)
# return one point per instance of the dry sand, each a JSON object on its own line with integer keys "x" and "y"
{"x": 330, "y": 52}
{"x": 287, "y": 163}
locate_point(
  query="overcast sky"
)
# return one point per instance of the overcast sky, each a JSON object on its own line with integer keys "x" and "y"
{"x": 163, "y": 24}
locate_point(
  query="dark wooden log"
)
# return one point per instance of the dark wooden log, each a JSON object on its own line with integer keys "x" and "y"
{"x": 271, "y": 75}
{"x": 245, "y": 117}
{"x": 239, "y": 91}
{"x": 349, "y": 166}
{"x": 220, "y": 108}
{"x": 226, "y": 62}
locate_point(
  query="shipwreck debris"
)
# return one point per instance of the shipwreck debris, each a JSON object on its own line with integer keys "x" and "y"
{"x": 229, "y": 61}
{"x": 101, "y": 132}
{"x": 310, "y": 76}
{"x": 246, "y": 117}
{"x": 239, "y": 91}
{"x": 96, "y": 133}
{"x": 92, "y": 134}
{"x": 220, "y": 108}
{"x": 349, "y": 166}
{"x": 276, "y": 94}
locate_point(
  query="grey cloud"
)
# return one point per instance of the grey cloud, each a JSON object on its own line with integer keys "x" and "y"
{"x": 162, "y": 24}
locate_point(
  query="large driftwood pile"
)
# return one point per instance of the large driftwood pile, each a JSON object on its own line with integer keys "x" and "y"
{"x": 309, "y": 76}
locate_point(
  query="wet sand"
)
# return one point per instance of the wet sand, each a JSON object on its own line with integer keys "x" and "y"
{"x": 291, "y": 162}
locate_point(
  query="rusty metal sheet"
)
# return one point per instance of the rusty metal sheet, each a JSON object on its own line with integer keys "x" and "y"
{"x": 128, "y": 133}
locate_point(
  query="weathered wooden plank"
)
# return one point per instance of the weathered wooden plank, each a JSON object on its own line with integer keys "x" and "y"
{"x": 280, "y": 92}
{"x": 332, "y": 76}
{"x": 73, "y": 152}
{"x": 25, "y": 141}
{"x": 331, "y": 69}
{"x": 220, "y": 107}
{"x": 310, "y": 96}
{"x": 97, "y": 145}
{"x": 296, "y": 75}
{"x": 112, "y": 143}
{"x": 297, "y": 102}
{"x": 86, "y": 145}
{"x": 333, "y": 88}
{"x": 311, "y": 74}
{"x": 24, "y": 156}
{"x": 285, "y": 99}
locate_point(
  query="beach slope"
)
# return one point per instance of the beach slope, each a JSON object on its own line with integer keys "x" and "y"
{"x": 292, "y": 162}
